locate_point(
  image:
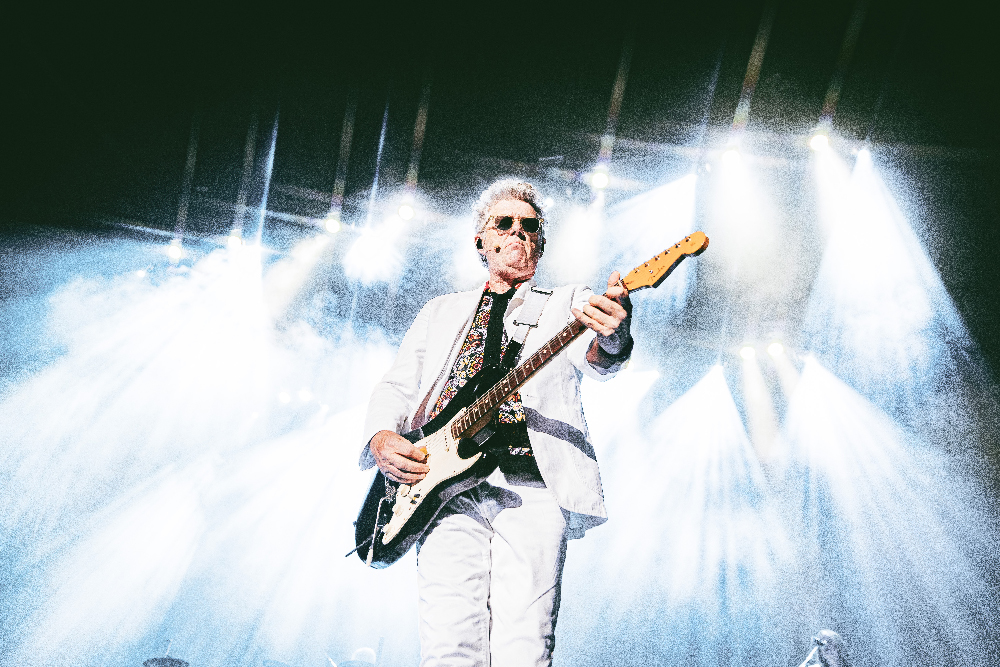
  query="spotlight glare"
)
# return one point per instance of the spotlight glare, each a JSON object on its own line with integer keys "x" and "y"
{"x": 549, "y": 202}
{"x": 599, "y": 180}
{"x": 284, "y": 397}
{"x": 332, "y": 225}
{"x": 731, "y": 157}
{"x": 819, "y": 142}
{"x": 234, "y": 241}
{"x": 174, "y": 251}
{"x": 305, "y": 395}
{"x": 748, "y": 353}
{"x": 775, "y": 349}
{"x": 141, "y": 273}
{"x": 406, "y": 212}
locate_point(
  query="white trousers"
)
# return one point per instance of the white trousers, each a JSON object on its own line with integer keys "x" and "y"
{"x": 489, "y": 576}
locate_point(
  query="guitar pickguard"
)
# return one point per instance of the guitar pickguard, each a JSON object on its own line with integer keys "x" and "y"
{"x": 445, "y": 463}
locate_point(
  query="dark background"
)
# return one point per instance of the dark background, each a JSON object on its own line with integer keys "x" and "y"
{"x": 99, "y": 101}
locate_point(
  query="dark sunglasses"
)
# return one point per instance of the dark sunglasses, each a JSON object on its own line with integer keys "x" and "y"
{"x": 530, "y": 225}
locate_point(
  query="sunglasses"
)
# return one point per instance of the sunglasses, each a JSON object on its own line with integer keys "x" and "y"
{"x": 506, "y": 222}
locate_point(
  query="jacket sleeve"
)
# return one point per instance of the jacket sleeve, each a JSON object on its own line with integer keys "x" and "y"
{"x": 577, "y": 350}
{"x": 395, "y": 396}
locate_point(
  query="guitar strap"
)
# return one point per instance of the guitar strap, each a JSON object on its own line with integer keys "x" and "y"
{"x": 527, "y": 319}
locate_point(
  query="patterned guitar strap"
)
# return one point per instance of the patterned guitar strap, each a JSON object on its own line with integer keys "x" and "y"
{"x": 527, "y": 319}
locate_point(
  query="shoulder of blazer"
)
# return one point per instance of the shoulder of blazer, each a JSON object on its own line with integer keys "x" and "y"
{"x": 450, "y": 300}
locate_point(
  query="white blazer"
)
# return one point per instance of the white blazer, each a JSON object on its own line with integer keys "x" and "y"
{"x": 552, "y": 403}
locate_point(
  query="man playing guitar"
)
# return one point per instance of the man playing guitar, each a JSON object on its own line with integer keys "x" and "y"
{"x": 490, "y": 564}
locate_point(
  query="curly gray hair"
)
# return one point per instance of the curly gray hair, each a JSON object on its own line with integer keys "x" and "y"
{"x": 509, "y": 188}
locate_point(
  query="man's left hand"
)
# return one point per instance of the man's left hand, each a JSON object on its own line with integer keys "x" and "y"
{"x": 608, "y": 315}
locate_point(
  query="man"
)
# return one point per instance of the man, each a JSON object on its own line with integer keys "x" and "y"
{"x": 489, "y": 568}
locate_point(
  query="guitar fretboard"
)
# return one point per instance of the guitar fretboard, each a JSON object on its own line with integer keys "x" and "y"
{"x": 487, "y": 404}
{"x": 649, "y": 274}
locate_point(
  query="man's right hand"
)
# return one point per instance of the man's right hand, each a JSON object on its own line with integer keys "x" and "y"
{"x": 397, "y": 458}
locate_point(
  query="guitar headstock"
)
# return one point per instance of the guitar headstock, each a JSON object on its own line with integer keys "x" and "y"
{"x": 652, "y": 272}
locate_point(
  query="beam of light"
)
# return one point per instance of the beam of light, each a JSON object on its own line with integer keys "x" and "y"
{"x": 894, "y": 526}
{"x": 148, "y": 447}
{"x": 749, "y": 237}
{"x": 268, "y": 170}
{"x": 276, "y": 556}
{"x": 788, "y": 375}
{"x": 611, "y": 406}
{"x": 378, "y": 165}
{"x": 185, "y": 196}
{"x": 753, "y": 68}
{"x": 573, "y": 245}
{"x": 375, "y": 255}
{"x": 843, "y": 60}
{"x": 406, "y": 212}
{"x": 647, "y": 224}
{"x": 122, "y": 574}
{"x": 748, "y": 353}
{"x": 285, "y": 279}
{"x": 614, "y": 109}
{"x": 346, "y": 135}
{"x": 694, "y": 549}
{"x": 878, "y": 311}
{"x": 739, "y": 202}
{"x": 762, "y": 421}
{"x": 419, "y": 129}
{"x": 239, "y": 216}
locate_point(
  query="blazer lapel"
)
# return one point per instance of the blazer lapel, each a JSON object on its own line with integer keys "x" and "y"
{"x": 444, "y": 340}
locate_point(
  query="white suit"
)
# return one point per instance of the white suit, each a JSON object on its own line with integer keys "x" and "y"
{"x": 553, "y": 407}
{"x": 490, "y": 567}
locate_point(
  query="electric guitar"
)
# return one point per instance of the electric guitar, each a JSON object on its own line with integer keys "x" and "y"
{"x": 394, "y": 516}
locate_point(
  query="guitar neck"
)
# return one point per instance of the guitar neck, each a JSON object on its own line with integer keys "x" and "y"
{"x": 482, "y": 410}
{"x": 648, "y": 274}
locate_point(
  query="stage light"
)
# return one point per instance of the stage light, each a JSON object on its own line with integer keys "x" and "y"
{"x": 748, "y": 353}
{"x": 364, "y": 655}
{"x": 305, "y": 395}
{"x": 731, "y": 157}
{"x": 174, "y": 250}
{"x": 234, "y": 240}
{"x": 374, "y": 256}
{"x": 406, "y": 212}
{"x": 141, "y": 273}
{"x": 819, "y": 142}
{"x": 599, "y": 180}
{"x": 775, "y": 349}
{"x": 331, "y": 224}
{"x": 284, "y": 397}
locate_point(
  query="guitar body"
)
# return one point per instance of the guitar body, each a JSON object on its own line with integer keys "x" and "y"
{"x": 456, "y": 466}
